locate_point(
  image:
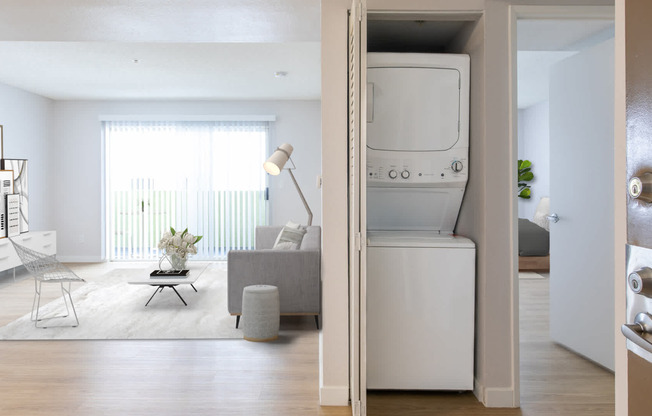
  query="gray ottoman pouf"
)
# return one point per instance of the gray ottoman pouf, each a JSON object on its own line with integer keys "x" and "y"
{"x": 260, "y": 313}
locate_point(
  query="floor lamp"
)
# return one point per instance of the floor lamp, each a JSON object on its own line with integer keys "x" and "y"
{"x": 274, "y": 164}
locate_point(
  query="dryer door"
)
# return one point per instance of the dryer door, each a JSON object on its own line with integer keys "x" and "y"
{"x": 413, "y": 109}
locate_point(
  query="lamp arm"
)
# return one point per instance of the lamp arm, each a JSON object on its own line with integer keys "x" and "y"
{"x": 305, "y": 204}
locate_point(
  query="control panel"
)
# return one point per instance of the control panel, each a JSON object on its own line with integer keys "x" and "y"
{"x": 417, "y": 168}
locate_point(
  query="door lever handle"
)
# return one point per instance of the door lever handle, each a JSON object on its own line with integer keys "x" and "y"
{"x": 553, "y": 218}
{"x": 633, "y": 332}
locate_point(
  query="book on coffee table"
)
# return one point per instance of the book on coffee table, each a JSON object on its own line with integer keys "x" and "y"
{"x": 169, "y": 273}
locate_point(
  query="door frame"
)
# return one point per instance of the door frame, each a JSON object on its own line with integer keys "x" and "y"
{"x": 517, "y": 12}
{"x": 620, "y": 207}
{"x": 357, "y": 63}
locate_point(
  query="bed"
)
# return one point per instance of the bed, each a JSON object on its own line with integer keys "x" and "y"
{"x": 533, "y": 246}
{"x": 534, "y": 240}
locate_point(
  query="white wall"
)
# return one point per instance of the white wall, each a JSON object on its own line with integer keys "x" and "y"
{"x": 534, "y": 145}
{"x": 27, "y": 125}
{"x": 77, "y": 162}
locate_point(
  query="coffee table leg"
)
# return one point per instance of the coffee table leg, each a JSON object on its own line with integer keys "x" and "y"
{"x": 175, "y": 291}
{"x": 193, "y": 286}
{"x": 158, "y": 289}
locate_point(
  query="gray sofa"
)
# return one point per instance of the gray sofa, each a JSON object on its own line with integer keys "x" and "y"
{"x": 296, "y": 273}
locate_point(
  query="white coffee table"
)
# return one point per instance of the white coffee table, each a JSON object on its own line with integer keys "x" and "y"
{"x": 196, "y": 270}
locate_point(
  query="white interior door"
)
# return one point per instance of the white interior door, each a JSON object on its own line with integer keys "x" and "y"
{"x": 582, "y": 195}
{"x": 357, "y": 207}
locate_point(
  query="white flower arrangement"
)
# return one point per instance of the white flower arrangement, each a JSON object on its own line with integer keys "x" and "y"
{"x": 179, "y": 244}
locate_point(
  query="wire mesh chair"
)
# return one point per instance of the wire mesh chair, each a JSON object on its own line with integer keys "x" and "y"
{"x": 47, "y": 269}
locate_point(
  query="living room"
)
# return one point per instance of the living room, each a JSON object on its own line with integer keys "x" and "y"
{"x": 61, "y": 136}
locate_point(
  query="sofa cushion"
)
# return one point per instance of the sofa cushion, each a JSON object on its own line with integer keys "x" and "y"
{"x": 290, "y": 237}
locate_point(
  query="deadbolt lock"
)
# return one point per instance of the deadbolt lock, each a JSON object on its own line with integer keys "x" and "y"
{"x": 640, "y": 187}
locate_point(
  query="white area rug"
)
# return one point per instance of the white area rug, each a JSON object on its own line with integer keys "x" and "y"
{"x": 110, "y": 308}
{"x": 530, "y": 275}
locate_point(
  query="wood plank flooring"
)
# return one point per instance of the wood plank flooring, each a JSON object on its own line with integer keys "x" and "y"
{"x": 234, "y": 377}
{"x": 162, "y": 377}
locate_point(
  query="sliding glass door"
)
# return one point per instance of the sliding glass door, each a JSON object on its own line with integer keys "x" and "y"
{"x": 204, "y": 176}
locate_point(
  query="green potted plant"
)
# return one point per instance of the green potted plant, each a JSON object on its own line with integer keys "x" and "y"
{"x": 524, "y": 175}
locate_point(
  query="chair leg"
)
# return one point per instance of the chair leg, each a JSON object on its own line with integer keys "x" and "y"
{"x": 37, "y": 303}
{"x": 317, "y": 321}
{"x": 72, "y": 305}
{"x": 63, "y": 295}
{"x": 237, "y": 321}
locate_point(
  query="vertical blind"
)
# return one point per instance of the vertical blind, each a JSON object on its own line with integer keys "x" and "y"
{"x": 204, "y": 176}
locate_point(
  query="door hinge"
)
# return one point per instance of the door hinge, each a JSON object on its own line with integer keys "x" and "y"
{"x": 358, "y": 242}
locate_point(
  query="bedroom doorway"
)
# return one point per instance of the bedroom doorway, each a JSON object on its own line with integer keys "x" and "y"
{"x": 567, "y": 53}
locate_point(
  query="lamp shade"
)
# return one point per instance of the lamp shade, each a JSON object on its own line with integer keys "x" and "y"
{"x": 274, "y": 164}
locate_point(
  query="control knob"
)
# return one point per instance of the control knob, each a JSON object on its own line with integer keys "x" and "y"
{"x": 405, "y": 174}
{"x": 392, "y": 174}
{"x": 457, "y": 166}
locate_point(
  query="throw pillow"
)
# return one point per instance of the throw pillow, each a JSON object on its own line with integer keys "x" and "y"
{"x": 286, "y": 245}
{"x": 540, "y": 217}
{"x": 290, "y": 237}
{"x": 295, "y": 225}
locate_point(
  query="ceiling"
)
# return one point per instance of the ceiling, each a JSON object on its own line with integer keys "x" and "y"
{"x": 543, "y": 43}
{"x": 105, "y": 70}
{"x": 212, "y": 49}
{"x": 148, "y": 49}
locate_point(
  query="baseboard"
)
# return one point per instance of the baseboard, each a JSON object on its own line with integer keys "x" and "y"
{"x": 494, "y": 397}
{"x": 79, "y": 259}
{"x": 334, "y": 396}
{"x": 478, "y": 390}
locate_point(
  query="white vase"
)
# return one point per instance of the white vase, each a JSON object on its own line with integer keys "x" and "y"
{"x": 176, "y": 262}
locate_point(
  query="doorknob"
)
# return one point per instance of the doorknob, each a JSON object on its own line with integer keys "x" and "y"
{"x": 634, "y": 332}
{"x": 553, "y": 217}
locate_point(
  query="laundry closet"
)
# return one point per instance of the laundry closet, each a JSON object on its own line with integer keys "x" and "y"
{"x": 420, "y": 270}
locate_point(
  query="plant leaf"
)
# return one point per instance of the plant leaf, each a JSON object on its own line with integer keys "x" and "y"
{"x": 525, "y": 164}
{"x": 198, "y": 238}
{"x": 525, "y": 193}
{"x": 172, "y": 231}
{"x": 528, "y": 176}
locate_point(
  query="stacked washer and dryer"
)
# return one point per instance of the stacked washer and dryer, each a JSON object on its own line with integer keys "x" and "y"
{"x": 420, "y": 275}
